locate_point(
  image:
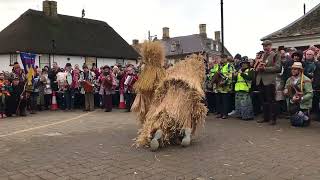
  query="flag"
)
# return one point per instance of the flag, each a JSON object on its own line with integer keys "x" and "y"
{"x": 28, "y": 61}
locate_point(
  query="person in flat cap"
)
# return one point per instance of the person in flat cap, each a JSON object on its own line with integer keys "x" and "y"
{"x": 266, "y": 67}
{"x": 299, "y": 93}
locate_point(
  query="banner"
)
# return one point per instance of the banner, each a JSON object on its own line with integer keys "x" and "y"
{"x": 28, "y": 61}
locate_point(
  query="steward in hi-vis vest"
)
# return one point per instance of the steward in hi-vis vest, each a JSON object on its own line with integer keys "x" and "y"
{"x": 224, "y": 88}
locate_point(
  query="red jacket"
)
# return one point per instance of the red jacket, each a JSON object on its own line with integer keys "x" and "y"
{"x": 129, "y": 87}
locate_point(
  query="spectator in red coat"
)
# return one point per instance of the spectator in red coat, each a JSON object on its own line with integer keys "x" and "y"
{"x": 126, "y": 86}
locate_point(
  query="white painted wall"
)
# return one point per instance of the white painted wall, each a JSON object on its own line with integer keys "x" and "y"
{"x": 134, "y": 62}
{"x": 5, "y": 62}
{"x": 63, "y": 60}
{"x": 106, "y": 61}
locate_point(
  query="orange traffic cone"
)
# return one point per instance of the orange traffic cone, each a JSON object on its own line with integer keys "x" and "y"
{"x": 54, "y": 105}
{"x": 122, "y": 104}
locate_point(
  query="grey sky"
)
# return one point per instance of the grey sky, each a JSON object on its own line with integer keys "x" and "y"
{"x": 246, "y": 21}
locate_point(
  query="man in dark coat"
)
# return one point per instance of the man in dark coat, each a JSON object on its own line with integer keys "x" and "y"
{"x": 16, "y": 103}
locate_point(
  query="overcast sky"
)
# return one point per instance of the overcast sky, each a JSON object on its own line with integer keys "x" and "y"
{"x": 246, "y": 21}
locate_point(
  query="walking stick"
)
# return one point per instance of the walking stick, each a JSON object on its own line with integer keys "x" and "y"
{"x": 18, "y": 107}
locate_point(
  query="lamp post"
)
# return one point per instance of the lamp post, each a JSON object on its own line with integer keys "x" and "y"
{"x": 222, "y": 29}
{"x": 53, "y": 51}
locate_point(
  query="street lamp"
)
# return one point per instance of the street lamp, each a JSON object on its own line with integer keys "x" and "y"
{"x": 53, "y": 50}
{"x": 222, "y": 28}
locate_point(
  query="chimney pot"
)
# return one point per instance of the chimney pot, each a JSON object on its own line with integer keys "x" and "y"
{"x": 203, "y": 30}
{"x": 166, "y": 34}
{"x": 135, "y": 42}
{"x": 217, "y": 36}
{"x": 50, "y": 8}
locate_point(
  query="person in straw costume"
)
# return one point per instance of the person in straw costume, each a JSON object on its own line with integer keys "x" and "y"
{"x": 177, "y": 108}
{"x": 153, "y": 56}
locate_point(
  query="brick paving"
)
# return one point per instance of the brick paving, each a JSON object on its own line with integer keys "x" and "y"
{"x": 98, "y": 145}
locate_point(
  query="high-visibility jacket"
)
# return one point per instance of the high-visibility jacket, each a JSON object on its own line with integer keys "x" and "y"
{"x": 242, "y": 84}
{"x": 227, "y": 71}
{"x": 214, "y": 70}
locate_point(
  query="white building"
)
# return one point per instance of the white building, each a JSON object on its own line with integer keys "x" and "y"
{"x": 301, "y": 33}
{"x": 62, "y": 39}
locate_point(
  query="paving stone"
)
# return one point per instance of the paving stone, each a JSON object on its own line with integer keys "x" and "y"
{"x": 95, "y": 148}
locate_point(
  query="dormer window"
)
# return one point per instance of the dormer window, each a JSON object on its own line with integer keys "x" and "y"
{"x": 173, "y": 47}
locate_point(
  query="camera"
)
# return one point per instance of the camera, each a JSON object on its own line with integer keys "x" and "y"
{"x": 106, "y": 73}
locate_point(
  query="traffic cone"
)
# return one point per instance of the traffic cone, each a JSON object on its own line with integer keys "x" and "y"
{"x": 54, "y": 105}
{"x": 122, "y": 104}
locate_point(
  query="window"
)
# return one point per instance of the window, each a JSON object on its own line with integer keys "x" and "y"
{"x": 13, "y": 59}
{"x": 89, "y": 61}
{"x": 120, "y": 61}
{"x": 173, "y": 47}
{"x": 44, "y": 60}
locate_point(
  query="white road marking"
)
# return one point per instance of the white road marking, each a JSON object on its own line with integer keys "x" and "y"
{"x": 44, "y": 126}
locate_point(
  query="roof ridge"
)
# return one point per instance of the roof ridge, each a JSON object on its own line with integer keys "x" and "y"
{"x": 294, "y": 22}
{"x": 63, "y": 15}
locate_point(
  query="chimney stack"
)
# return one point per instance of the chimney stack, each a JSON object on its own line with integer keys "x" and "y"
{"x": 50, "y": 8}
{"x": 203, "y": 30}
{"x": 217, "y": 36}
{"x": 166, "y": 34}
{"x": 135, "y": 42}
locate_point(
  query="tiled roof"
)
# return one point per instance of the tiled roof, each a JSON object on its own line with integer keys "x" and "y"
{"x": 308, "y": 24}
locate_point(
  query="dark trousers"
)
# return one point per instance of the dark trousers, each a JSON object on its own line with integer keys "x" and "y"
{"x": 210, "y": 97}
{"x": 78, "y": 99}
{"x": 316, "y": 105}
{"x": 233, "y": 100}
{"x": 33, "y": 101}
{"x": 256, "y": 103}
{"x": 2, "y": 104}
{"x": 97, "y": 100}
{"x": 47, "y": 101}
{"x": 108, "y": 102}
{"x": 60, "y": 100}
{"x": 129, "y": 97}
{"x": 69, "y": 99}
{"x": 267, "y": 97}
{"x": 281, "y": 107}
{"x": 116, "y": 99}
{"x": 223, "y": 102}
